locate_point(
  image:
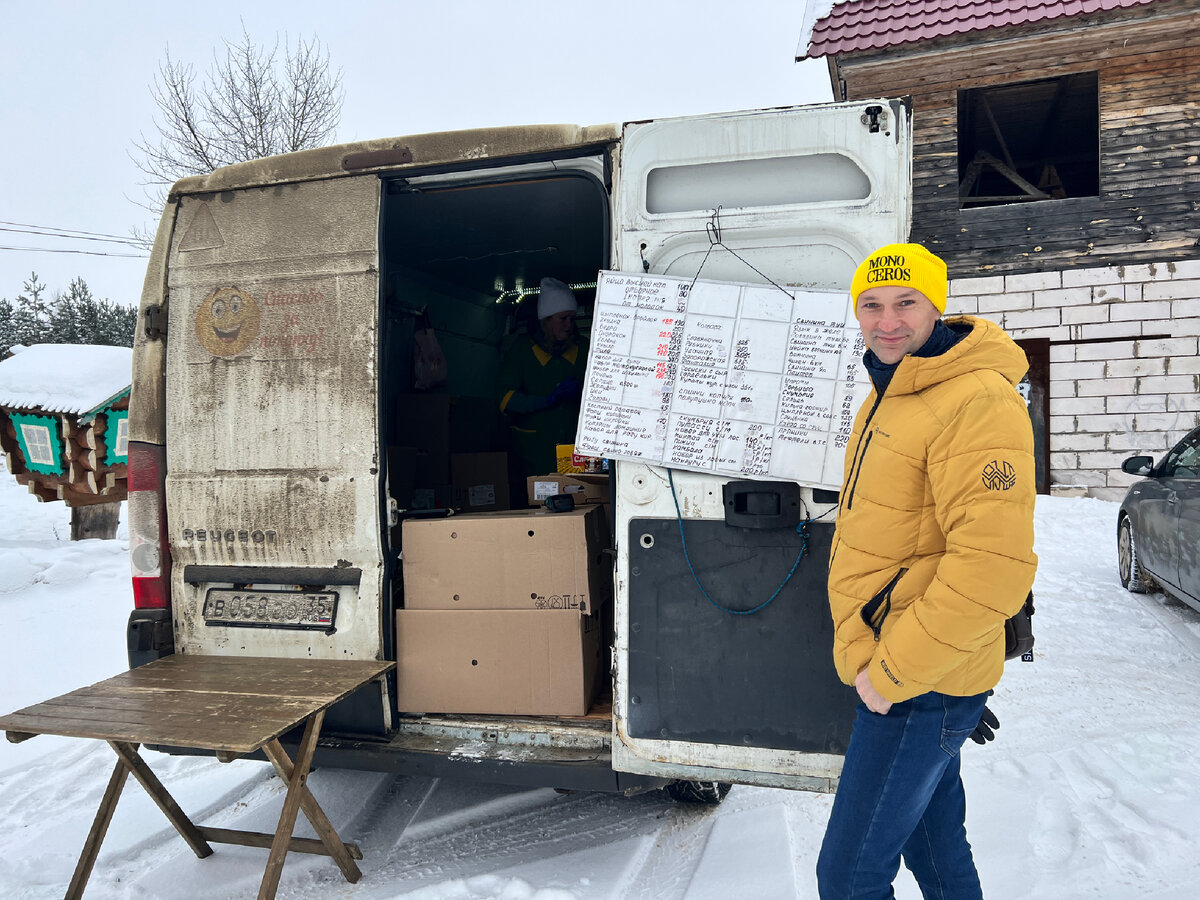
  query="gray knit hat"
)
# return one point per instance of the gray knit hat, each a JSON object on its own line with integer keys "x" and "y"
{"x": 555, "y": 297}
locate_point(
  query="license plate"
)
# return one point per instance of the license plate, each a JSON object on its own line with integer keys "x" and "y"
{"x": 313, "y": 610}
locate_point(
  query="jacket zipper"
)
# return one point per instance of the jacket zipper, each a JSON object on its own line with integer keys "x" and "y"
{"x": 856, "y": 467}
{"x": 882, "y": 599}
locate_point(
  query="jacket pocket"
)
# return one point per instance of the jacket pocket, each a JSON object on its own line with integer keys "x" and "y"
{"x": 876, "y": 610}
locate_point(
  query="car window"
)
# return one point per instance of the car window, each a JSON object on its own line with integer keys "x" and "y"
{"x": 1184, "y": 460}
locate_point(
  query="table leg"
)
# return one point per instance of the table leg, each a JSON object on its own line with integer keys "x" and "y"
{"x": 148, "y": 780}
{"x": 299, "y": 795}
{"x": 91, "y": 847}
{"x": 341, "y": 853}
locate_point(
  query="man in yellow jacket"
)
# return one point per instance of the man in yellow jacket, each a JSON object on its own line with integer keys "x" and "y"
{"x": 932, "y": 552}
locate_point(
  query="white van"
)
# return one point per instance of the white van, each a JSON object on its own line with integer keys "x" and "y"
{"x": 273, "y": 371}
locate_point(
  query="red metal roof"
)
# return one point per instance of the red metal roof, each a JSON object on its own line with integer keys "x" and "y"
{"x": 860, "y": 25}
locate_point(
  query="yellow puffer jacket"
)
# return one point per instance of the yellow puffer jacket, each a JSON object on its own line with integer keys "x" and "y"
{"x": 934, "y": 532}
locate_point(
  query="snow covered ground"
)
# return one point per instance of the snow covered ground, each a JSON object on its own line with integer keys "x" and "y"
{"x": 1092, "y": 788}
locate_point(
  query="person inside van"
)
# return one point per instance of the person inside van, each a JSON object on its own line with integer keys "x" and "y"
{"x": 541, "y": 378}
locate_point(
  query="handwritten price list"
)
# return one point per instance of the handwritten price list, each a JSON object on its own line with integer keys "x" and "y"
{"x": 734, "y": 379}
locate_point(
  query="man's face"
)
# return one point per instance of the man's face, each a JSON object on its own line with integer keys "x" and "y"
{"x": 895, "y": 321}
{"x": 559, "y": 326}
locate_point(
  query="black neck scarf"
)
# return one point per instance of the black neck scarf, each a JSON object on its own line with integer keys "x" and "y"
{"x": 941, "y": 339}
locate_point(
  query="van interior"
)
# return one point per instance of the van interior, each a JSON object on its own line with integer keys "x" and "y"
{"x": 458, "y": 254}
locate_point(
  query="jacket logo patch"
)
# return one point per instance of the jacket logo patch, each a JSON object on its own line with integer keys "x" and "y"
{"x": 999, "y": 475}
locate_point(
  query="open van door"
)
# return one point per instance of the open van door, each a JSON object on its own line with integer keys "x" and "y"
{"x": 704, "y": 689}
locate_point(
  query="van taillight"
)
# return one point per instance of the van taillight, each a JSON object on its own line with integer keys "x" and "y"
{"x": 149, "y": 557}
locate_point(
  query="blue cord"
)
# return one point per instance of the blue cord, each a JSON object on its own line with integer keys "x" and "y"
{"x": 801, "y": 529}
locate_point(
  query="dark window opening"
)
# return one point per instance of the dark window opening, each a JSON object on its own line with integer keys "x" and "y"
{"x": 1031, "y": 141}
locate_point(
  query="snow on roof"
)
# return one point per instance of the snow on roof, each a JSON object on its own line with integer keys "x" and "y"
{"x": 860, "y": 25}
{"x": 67, "y": 378}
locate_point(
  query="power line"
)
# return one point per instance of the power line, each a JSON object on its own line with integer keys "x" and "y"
{"x": 82, "y": 252}
{"x": 70, "y": 237}
{"x": 69, "y": 230}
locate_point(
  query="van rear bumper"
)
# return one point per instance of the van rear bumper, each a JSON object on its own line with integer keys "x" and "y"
{"x": 570, "y": 754}
{"x": 563, "y": 768}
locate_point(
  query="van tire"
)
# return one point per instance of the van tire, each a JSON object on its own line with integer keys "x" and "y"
{"x": 707, "y": 792}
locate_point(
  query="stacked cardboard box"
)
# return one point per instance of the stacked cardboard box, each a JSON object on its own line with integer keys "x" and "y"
{"x": 499, "y": 612}
{"x": 584, "y": 488}
{"x": 480, "y": 481}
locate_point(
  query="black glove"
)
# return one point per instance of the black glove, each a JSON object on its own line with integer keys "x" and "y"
{"x": 985, "y": 730}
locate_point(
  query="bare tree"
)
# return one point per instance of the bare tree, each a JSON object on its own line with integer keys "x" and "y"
{"x": 248, "y": 105}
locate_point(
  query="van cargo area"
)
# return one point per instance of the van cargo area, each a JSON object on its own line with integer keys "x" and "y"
{"x": 456, "y": 253}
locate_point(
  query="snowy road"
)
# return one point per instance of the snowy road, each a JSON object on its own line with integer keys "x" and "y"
{"x": 1090, "y": 790}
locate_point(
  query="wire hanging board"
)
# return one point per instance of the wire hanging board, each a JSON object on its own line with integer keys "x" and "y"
{"x": 739, "y": 380}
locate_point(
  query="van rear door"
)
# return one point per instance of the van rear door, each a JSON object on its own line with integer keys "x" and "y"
{"x": 271, "y": 421}
{"x": 700, "y": 693}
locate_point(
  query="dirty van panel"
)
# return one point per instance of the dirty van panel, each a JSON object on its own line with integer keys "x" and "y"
{"x": 272, "y": 435}
{"x": 795, "y": 197}
{"x": 800, "y": 192}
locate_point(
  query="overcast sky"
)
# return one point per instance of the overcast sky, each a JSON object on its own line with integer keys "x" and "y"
{"x": 75, "y": 88}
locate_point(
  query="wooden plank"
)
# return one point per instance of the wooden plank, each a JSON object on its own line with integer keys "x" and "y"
{"x": 162, "y": 799}
{"x": 95, "y": 837}
{"x": 263, "y": 841}
{"x": 297, "y": 792}
{"x": 167, "y": 702}
{"x": 275, "y": 677}
{"x": 981, "y": 62}
{"x": 240, "y": 730}
{"x": 315, "y": 815}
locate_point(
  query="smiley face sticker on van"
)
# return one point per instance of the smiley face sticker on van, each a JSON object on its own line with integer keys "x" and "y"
{"x": 227, "y": 321}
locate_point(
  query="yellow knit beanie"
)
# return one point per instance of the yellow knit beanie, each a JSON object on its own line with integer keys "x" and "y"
{"x": 902, "y": 265}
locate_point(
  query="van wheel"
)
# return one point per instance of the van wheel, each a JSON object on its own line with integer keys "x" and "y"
{"x": 709, "y": 792}
{"x": 1130, "y": 571}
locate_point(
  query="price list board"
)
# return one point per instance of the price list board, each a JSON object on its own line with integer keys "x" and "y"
{"x": 740, "y": 380}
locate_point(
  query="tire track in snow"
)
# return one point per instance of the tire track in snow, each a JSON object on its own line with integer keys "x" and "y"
{"x": 500, "y": 834}
{"x": 668, "y": 863}
{"x": 1180, "y": 620}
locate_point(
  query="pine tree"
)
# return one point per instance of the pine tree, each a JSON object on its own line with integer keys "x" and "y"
{"x": 64, "y": 328}
{"x": 74, "y": 317}
{"x": 6, "y": 327}
{"x": 31, "y": 318}
{"x": 87, "y": 311}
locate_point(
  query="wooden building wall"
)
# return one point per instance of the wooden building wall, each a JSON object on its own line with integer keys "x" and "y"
{"x": 1148, "y": 209}
{"x": 88, "y": 478}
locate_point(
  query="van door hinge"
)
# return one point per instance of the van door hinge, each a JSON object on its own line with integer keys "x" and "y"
{"x": 154, "y": 320}
{"x": 875, "y": 118}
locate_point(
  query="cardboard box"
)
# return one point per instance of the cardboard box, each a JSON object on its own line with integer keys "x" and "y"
{"x": 514, "y": 559}
{"x": 584, "y": 488}
{"x": 480, "y": 481}
{"x": 500, "y": 662}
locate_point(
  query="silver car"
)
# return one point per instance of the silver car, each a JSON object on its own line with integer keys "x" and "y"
{"x": 1158, "y": 527}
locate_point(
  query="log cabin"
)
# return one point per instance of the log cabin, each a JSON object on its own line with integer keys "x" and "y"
{"x": 64, "y": 426}
{"x": 1056, "y": 169}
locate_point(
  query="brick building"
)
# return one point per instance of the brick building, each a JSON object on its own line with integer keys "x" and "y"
{"x": 1056, "y": 169}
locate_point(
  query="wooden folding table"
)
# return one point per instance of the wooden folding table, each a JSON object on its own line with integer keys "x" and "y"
{"x": 229, "y": 705}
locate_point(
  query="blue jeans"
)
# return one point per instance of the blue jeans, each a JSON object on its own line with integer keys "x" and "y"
{"x": 900, "y": 794}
